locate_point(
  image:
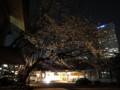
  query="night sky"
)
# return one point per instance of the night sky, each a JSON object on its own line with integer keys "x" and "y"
{"x": 104, "y": 11}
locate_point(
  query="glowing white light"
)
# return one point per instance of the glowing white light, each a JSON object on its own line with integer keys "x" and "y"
{"x": 0, "y": 68}
{"x": 38, "y": 75}
{"x": 12, "y": 71}
{"x": 111, "y": 54}
{"x": 105, "y": 72}
{"x": 85, "y": 57}
{"x": 102, "y": 72}
{"x": 43, "y": 75}
{"x": 16, "y": 66}
{"x": 115, "y": 50}
{"x": 47, "y": 80}
{"x": 16, "y": 72}
{"x": 106, "y": 48}
{"x": 5, "y": 65}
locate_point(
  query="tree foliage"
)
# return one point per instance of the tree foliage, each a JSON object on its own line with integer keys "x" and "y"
{"x": 58, "y": 37}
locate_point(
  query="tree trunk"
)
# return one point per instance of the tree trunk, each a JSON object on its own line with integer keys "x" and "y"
{"x": 22, "y": 76}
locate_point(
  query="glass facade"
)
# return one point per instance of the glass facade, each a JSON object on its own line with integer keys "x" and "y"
{"x": 109, "y": 44}
{"x": 104, "y": 74}
{"x": 8, "y": 70}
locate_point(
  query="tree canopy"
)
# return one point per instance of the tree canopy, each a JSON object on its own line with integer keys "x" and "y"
{"x": 57, "y": 37}
{"x": 60, "y": 36}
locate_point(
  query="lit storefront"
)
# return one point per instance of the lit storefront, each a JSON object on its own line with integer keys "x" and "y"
{"x": 47, "y": 76}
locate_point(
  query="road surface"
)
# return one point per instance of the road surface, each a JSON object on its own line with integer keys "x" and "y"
{"x": 67, "y": 86}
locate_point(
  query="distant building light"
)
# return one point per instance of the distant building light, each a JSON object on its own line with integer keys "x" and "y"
{"x": 16, "y": 72}
{"x": 111, "y": 54}
{"x": 110, "y": 50}
{"x": 108, "y": 56}
{"x": 105, "y": 72}
{"x": 0, "y": 68}
{"x": 102, "y": 26}
{"x": 5, "y": 65}
{"x": 4, "y": 70}
{"x": 16, "y": 66}
{"x": 106, "y": 48}
{"x": 85, "y": 57}
{"x": 102, "y": 72}
{"x": 115, "y": 50}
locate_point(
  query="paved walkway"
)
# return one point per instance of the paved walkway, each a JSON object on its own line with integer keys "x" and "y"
{"x": 67, "y": 86}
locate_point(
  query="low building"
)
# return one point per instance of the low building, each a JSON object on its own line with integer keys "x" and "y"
{"x": 66, "y": 76}
{"x": 103, "y": 75}
{"x": 8, "y": 70}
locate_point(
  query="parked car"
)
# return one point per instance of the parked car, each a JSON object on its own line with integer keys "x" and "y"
{"x": 84, "y": 81}
{"x": 6, "y": 81}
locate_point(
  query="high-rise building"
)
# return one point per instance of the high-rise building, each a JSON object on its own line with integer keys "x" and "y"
{"x": 110, "y": 43}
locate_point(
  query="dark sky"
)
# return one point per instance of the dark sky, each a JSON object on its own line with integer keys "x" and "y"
{"x": 104, "y": 11}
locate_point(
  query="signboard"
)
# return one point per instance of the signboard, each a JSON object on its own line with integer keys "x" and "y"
{"x": 76, "y": 74}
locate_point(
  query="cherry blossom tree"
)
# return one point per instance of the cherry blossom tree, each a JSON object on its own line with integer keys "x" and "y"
{"x": 60, "y": 41}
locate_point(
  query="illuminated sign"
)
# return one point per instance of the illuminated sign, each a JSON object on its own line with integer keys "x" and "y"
{"x": 102, "y": 26}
